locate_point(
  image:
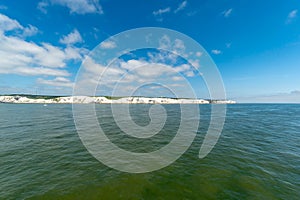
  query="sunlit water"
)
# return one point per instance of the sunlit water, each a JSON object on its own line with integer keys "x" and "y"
{"x": 256, "y": 157}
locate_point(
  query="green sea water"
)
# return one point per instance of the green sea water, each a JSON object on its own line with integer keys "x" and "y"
{"x": 256, "y": 157}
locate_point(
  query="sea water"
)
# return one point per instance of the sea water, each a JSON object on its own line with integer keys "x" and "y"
{"x": 257, "y": 155}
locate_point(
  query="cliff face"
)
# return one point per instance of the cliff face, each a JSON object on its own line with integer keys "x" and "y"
{"x": 104, "y": 100}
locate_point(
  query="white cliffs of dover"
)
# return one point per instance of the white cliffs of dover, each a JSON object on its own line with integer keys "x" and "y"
{"x": 104, "y": 100}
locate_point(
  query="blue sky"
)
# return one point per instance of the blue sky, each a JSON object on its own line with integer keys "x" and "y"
{"x": 255, "y": 44}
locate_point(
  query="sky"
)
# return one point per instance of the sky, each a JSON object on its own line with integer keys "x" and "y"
{"x": 254, "y": 44}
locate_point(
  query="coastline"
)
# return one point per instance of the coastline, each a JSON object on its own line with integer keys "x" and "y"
{"x": 16, "y": 99}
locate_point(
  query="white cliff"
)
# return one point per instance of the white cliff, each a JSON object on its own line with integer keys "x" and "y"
{"x": 104, "y": 100}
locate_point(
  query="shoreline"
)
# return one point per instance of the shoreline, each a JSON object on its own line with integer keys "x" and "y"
{"x": 16, "y": 99}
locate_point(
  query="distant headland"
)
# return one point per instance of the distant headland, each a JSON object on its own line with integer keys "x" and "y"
{"x": 36, "y": 99}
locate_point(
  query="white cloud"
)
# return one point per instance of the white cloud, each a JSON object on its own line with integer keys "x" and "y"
{"x": 199, "y": 54}
{"x": 165, "y": 42}
{"x": 216, "y": 51}
{"x": 147, "y": 70}
{"x": 58, "y": 81}
{"x": 163, "y": 57}
{"x": 108, "y": 45}
{"x": 33, "y": 71}
{"x": 151, "y": 71}
{"x": 182, "y": 68}
{"x": 132, "y": 64}
{"x": 179, "y": 46}
{"x": 176, "y": 48}
{"x": 123, "y": 77}
{"x": 42, "y": 6}
{"x": 161, "y": 11}
{"x": 195, "y": 63}
{"x": 50, "y": 56}
{"x": 30, "y": 31}
{"x": 177, "y": 78}
{"x": 8, "y": 24}
{"x": 133, "y": 72}
{"x": 73, "y": 53}
{"x": 22, "y": 57}
{"x": 72, "y": 38}
{"x": 80, "y": 6}
{"x": 160, "y": 66}
{"x": 181, "y": 6}
{"x": 190, "y": 74}
{"x": 227, "y": 13}
{"x": 292, "y": 15}
{"x": 148, "y": 37}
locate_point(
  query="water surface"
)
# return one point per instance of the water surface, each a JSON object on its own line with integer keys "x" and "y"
{"x": 256, "y": 157}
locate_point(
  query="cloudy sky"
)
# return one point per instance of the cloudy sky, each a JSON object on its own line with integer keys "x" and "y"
{"x": 255, "y": 44}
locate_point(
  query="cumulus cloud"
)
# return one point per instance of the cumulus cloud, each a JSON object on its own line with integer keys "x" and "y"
{"x": 195, "y": 63}
{"x": 165, "y": 42}
{"x": 169, "y": 65}
{"x": 80, "y": 6}
{"x": 227, "y": 13}
{"x": 27, "y": 58}
{"x": 182, "y": 68}
{"x": 22, "y": 57}
{"x": 30, "y": 31}
{"x": 181, "y": 6}
{"x": 8, "y": 24}
{"x": 177, "y": 78}
{"x": 57, "y": 81}
{"x": 72, "y": 38}
{"x": 33, "y": 71}
{"x": 176, "y": 48}
{"x": 136, "y": 70}
{"x": 179, "y": 46}
{"x": 124, "y": 76}
{"x": 108, "y": 45}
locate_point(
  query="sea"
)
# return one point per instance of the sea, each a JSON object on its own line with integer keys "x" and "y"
{"x": 257, "y": 155}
